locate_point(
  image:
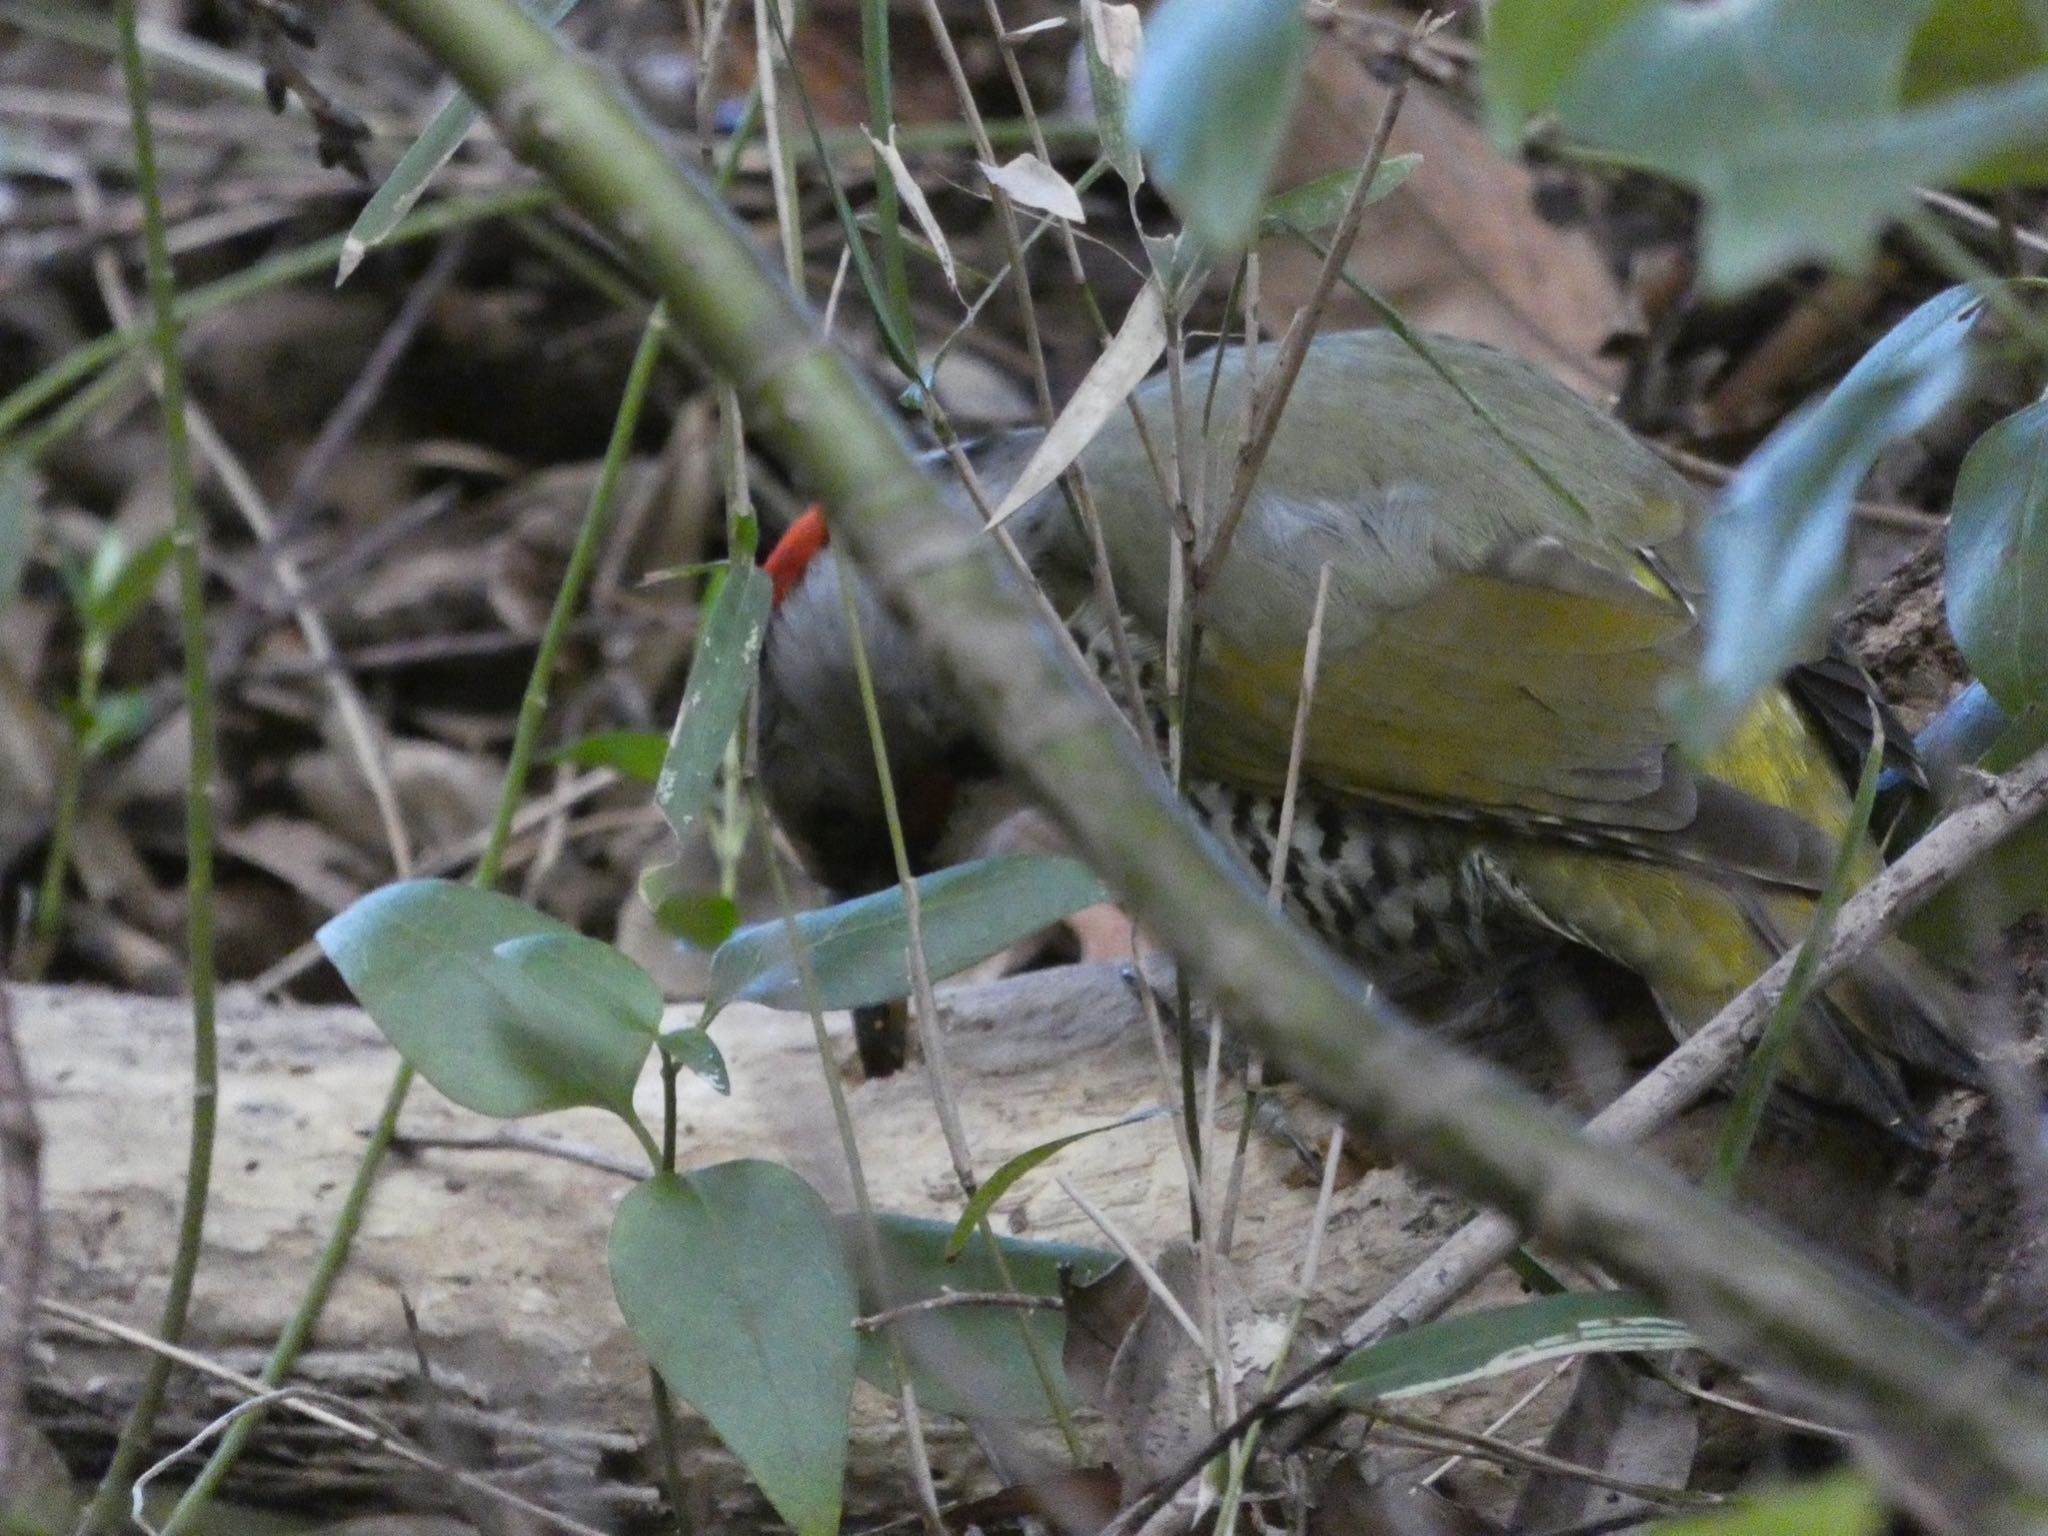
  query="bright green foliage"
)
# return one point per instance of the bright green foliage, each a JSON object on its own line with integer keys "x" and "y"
{"x": 1804, "y": 123}
{"x": 859, "y": 951}
{"x": 636, "y": 755}
{"x": 110, "y": 590}
{"x": 967, "y": 1361}
{"x": 1777, "y": 553}
{"x": 701, "y": 919}
{"x": 733, "y": 1281}
{"x": 502, "y": 1008}
{"x": 1314, "y": 206}
{"x": 1214, "y": 91}
{"x": 1496, "y": 1340}
{"x": 1843, "y": 1504}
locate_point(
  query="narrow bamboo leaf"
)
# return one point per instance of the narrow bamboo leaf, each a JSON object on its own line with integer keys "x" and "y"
{"x": 859, "y": 950}
{"x": 505, "y": 1010}
{"x": 17, "y": 524}
{"x": 1776, "y": 550}
{"x": 1314, "y": 206}
{"x": 913, "y": 198}
{"x": 119, "y": 582}
{"x": 1840, "y": 1504}
{"x": 1112, "y": 39}
{"x": 1137, "y": 345}
{"x": 420, "y": 163}
{"x": 1998, "y": 560}
{"x": 635, "y": 754}
{"x": 1496, "y": 1340}
{"x": 696, "y": 1051}
{"x": 720, "y": 677}
{"x": 1210, "y": 105}
{"x": 734, "y": 1284}
{"x": 969, "y": 1361}
{"x": 998, "y": 1183}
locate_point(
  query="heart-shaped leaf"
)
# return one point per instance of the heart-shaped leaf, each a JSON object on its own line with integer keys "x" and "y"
{"x": 734, "y": 1283}
{"x": 859, "y": 951}
{"x": 502, "y": 1008}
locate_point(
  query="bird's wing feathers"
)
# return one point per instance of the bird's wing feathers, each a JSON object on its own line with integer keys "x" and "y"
{"x": 1513, "y": 583}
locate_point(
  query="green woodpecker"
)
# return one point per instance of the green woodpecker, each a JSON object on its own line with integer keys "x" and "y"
{"x": 1490, "y": 773}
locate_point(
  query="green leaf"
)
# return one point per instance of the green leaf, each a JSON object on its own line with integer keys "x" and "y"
{"x": 1840, "y": 1504}
{"x": 1496, "y": 1340}
{"x": 733, "y": 1282}
{"x": 1998, "y": 559}
{"x": 1787, "y": 115}
{"x": 505, "y": 1010}
{"x": 998, "y": 1183}
{"x": 1210, "y": 106}
{"x": 969, "y": 1361}
{"x": 1314, "y": 206}
{"x": 1966, "y": 43}
{"x": 860, "y": 950}
{"x": 420, "y": 163}
{"x": 117, "y": 583}
{"x": 729, "y": 645}
{"x": 1534, "y": 48}
{"x": 117, "y": 719}
{"x": 1776, "y": 550}
{"x": 17, "y": 524}
{"x": 696, "y": 1051}
{"x": 634, "y": 755}
{"x": 701, "y": 919}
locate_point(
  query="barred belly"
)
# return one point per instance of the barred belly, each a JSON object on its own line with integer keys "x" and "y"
{"x": 1413, "y": 903}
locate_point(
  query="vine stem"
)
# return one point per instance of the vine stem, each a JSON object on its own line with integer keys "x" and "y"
{"x": 187, "y": 554}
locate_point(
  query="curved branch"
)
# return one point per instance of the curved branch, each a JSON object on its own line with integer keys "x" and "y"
{"x": 1880, "y": 1362}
